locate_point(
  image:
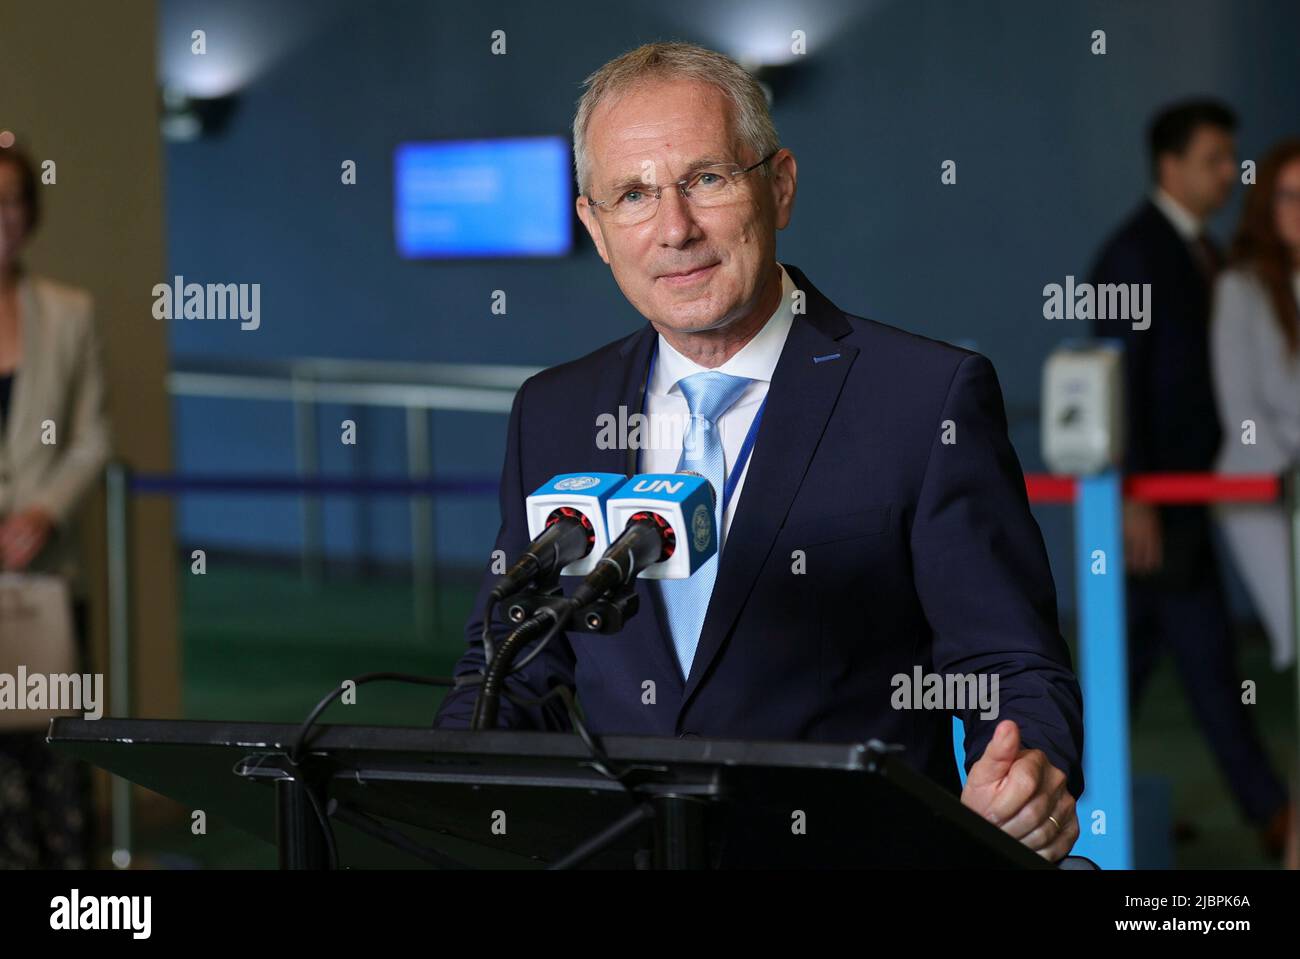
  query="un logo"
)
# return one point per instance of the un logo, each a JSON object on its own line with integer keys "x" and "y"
{"x": 700, "y": 527}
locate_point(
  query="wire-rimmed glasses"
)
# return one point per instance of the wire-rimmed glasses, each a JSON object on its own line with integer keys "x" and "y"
{"x": 714, "y": 185}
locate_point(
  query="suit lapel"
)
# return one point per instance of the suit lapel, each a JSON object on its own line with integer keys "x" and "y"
{"x": 619, "y": 386}
{"x": 800, "y": 400}
{"x": 623, "y": 384}
{"x": 1187, "y": 251}
{"x": 26, "y": 375}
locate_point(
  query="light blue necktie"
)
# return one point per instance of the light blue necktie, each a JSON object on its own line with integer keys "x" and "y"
{"x": 708, "y": 395}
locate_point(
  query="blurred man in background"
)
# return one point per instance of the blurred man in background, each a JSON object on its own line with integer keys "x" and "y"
{"x": 1174, "y": 594}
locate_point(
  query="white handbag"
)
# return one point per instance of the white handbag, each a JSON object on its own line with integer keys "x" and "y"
{"x": 38, "y": 652}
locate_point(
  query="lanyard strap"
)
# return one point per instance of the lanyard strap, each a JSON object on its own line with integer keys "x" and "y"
{"x": 746, "y": 448}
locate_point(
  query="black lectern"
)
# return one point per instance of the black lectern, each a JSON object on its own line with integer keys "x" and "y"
{"x": 504, "y": 798}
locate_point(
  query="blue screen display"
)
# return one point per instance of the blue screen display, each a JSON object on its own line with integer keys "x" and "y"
{"x": 483, "y": 198}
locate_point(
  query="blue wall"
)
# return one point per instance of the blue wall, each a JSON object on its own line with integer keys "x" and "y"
{"x": 1047, "y": 137}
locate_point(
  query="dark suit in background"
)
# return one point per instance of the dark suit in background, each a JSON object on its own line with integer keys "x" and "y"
{"x": 1173, "y": 425}
{"x": 918, "y": 552}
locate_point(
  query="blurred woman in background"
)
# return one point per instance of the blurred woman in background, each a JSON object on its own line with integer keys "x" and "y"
{"x": 50, "y": 370}
{"x": 1255, "y": 343}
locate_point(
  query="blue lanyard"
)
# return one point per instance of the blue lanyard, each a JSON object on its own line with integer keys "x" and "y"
{"x": 747, "y": 447}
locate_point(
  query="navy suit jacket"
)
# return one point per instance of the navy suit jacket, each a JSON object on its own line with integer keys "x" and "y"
{"x": 917, "y": 552}
{"x": 1172, "y": 421}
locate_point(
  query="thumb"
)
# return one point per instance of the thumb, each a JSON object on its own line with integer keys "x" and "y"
{"x": 999, "y": 755}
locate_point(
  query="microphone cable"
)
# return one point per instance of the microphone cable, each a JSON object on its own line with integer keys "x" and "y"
{"x": 294, "y": 753}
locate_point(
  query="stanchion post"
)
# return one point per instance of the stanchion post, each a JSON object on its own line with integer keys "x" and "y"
{"x": 306, "y": 447}
{"x": 119, "y": 640}
{"x": 1105, "y": 809}
{"x": 419, "y": 468}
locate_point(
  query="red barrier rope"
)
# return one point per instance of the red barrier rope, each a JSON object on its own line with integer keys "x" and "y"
{"x": 1049, "y": 488}
{"x": 1166, "y": 488}
{"x": 1202, "y": 488}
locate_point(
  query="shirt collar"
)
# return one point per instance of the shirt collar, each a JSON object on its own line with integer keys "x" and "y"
{"x": 1187, "y": 225}
{"x": 756, "y": 360}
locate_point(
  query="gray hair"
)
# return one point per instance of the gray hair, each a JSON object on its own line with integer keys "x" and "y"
{"x": 676, "y": 61}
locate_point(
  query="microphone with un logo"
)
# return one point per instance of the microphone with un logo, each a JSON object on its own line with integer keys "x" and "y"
{"x": 566, "y": 520}
{"x": 668, "y": 532}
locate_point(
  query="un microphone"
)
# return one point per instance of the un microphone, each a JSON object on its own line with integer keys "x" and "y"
{"x": 668, "y": 532}
{"x": 566, "y": 518}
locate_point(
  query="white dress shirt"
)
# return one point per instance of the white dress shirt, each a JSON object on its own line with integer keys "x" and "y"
{"x": 665, "y": 403}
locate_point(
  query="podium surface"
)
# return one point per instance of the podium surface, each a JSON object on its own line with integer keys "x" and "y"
{"x": 506, "y": 798}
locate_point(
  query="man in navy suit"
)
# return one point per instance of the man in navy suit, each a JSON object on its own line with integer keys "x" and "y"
{"x": 879, "y": 525}
{"x": 1175, "y": 599}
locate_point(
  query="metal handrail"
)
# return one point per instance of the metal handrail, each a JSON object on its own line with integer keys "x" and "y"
{"x": 415, "y": 388}
{"x": 444, "y": 386}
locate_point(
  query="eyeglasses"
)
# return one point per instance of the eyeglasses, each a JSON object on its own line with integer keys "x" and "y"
{"x": 715, "y": 185}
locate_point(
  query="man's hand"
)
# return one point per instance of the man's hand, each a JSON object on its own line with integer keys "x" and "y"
{"x": 1017, "y": 789}
{"x": 22, "y": 536}
{"x": 1143, "y": 545}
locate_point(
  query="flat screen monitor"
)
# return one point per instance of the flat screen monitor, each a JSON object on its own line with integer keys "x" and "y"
{"x": 483, "y": 198}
